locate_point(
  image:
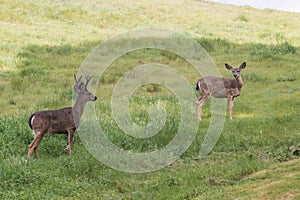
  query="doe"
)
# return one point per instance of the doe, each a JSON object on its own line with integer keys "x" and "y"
{"x": 220, "y": 88}
{"x": 64, "y": 120}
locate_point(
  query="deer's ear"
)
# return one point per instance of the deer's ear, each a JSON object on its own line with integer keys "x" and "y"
{"x": 243, "y": 65}
{"x": 228, "y": 66}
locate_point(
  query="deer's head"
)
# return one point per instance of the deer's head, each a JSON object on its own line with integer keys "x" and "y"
{"x": 81, "y": 89}
{"x": 236, "y": 71}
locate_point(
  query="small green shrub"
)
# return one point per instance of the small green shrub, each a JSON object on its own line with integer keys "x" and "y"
{"x": 153, "y": 88}
{"x": 11, "y": 101}
{"x": 64, "y": 50}
{"x": 217, "y": 44}
{"x": 288, "y": 78}
{"x": 31, "y": 71}
{"x": 242, "y": 18}
{"x": 273, "y": 52}
{"x": 206, "y": 44}
{"x": 285, "y": 48}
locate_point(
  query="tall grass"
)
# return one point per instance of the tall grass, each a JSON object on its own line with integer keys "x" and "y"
{"x": 242, "y": 150}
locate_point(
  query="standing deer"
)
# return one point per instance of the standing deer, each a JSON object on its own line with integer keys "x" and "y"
{"x": 64, "y": 120}
{"x": 220, "y": 88}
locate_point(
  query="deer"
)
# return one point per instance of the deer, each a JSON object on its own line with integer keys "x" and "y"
{"x": 61, "y": 121}
{"x": 220, "y": 88}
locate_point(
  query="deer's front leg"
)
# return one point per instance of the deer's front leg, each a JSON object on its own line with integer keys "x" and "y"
{"x": 230, "y": 105}
{"x": 70, "y": 141}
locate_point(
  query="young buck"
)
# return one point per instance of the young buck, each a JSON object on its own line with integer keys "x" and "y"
{"x": 220, "y": 88}
{"x": 64, "y": 120}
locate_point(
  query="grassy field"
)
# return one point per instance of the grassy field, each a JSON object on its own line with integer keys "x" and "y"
{"x": 43, "y": 43}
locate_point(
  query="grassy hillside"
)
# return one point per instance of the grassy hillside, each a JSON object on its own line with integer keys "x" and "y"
{"x": 43, "y": 43}
{"x": 281, "y": 181}
{"x": 51, "y": 39}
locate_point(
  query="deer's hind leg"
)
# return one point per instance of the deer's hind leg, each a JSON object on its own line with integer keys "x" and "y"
{"x": 30, "y": 149}
{"x": 38, "y": 136}
{"x": 200, "y": 103}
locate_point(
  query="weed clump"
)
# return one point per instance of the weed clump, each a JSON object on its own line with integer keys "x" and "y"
{"x": 273, "y": 52}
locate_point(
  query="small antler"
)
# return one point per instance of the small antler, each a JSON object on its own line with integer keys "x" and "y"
{"x": 77, "y": 83}
{"x": 88, "y": 78}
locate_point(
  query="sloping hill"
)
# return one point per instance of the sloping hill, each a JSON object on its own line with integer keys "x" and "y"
{"x": 280, "y": 181}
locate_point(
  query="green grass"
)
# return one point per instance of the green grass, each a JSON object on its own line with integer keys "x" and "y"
{"x": 281, "y": 181}
{"x": 43, "y": 43}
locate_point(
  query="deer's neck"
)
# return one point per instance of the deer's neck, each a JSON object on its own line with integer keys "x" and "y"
{"x": 77, "y": 109}
{"x": 240, "y": 82}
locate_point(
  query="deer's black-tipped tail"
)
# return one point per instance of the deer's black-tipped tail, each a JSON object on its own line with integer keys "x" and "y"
{"x": 197, "y": 85}
{"x": 29, "y": 121}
